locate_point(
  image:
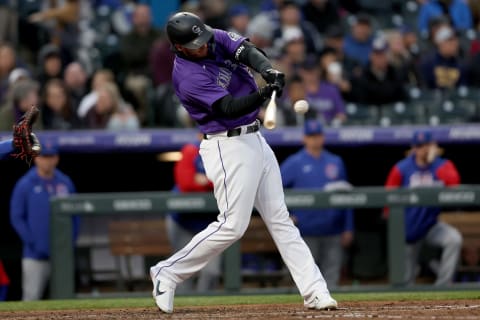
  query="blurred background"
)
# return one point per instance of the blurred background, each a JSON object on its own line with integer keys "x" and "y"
{"x": 372, "y": 71}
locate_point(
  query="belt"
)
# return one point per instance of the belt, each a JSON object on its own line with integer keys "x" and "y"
{"x": 237, "y": 131}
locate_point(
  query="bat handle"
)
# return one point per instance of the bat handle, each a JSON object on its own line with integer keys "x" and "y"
{"x": 274, "y": 95}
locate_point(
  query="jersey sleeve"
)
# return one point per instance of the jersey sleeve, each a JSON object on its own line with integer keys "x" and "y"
{"x": 230, "y": 41}
{"x": 6, "y": 148}
{"x": 394, "y": 178}
{"x": 18, "y": 211}
{"x": 202, "y": 90}
{"x": 448, "y": 173}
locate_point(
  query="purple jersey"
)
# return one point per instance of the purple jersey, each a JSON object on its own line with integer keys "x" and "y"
{"x": 199, "y": 84}
{"x": 326, "y": 102}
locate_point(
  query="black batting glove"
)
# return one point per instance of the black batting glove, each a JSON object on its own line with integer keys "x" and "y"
{"x": 266, "y": 91}
{"x": 275, "y": 77}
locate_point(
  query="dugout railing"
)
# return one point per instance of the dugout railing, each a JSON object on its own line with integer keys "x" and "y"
{"x": 62, "y": 254}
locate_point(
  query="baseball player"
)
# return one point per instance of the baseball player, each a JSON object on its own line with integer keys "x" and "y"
{"x": 212, "y": 79}
{"x": 325, "y": 231}
{"x": 424, "y": 168}
{"x": 30, "y": 217}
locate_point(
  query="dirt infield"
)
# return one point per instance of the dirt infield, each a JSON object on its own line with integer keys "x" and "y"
{"x": 459, "y": 309}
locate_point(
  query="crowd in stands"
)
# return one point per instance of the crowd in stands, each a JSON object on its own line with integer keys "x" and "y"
{"x": 106, "y": 64}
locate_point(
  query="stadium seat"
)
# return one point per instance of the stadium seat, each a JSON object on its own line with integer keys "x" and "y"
{"x": 452, "y": 111}
{"x": 358, "y": 114}
{"x": 403, "y": 113}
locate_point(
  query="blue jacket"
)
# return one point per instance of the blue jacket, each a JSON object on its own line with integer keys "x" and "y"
{"x": 406, "y": 173}
{"x": 30, "y": 210}
{"x": 358, "y": 51}
{"x": 458, "y": 11}
{"x": 302, "y": 171}
{"x": 5, "y": 148}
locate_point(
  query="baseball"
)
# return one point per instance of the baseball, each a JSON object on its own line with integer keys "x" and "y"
{"x": 301, "y": 106}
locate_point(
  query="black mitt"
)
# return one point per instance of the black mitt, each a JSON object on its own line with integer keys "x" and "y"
{"x": 25, "y": 141}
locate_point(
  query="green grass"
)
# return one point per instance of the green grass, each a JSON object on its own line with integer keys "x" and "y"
{"x": 102, "y": 303}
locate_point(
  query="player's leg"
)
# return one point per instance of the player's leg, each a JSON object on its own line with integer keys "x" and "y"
{"x": 331, "y": 256}
{"x": 411, "y": 262}
{"x": 295, "y": 253}
{"x": 178, "y": 238}
{"x": 450, "y": 240}
{"x": 233, "y": 165}
{"x": 35, "y": 275}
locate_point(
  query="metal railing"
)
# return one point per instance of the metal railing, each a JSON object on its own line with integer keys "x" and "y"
{"x": 62, "y": 255}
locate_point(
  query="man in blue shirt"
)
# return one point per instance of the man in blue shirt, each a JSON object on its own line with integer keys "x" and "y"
{"x": 325, "y": 231}
{"x": 30, "y": 217}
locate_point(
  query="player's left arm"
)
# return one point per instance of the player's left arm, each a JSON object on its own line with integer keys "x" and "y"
{"x": 255, "y": 59}
{"x": 6, "y": 148}
{"x": 448, "y": 173}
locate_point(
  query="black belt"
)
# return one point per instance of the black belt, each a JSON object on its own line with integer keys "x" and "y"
{"x": 238, "y": 131}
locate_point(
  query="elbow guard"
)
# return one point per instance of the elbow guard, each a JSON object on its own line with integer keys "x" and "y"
{"x": 252, "y": 57}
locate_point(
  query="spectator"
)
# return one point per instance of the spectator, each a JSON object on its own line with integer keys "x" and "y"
{"x": 424, "y": 168}
{"x": 260, "y": 32}
{"x": 135, "y": 48}
{"x": 61, "y": 21}
{"x": 75, "y": 78}
{"x": 295, "y": 90}
{"x": 358, "y": 45}
{"x": 457, "y": 11}
{"x": 321, "y": 13}
{"x": 8, "y": 62}
{"x": 294, "y": 52}
{"x": 324, "y": 99}
{"x": 24, "y": 94}
{"x": 215, "y": 13}
{"x": 291, "y": 19}
{"x": 189, "y": 176}
{"x": 402, "y": 59}
{"x": 50, "y": 65}
{"x": 100, "y": 77}
{"x": 334, "y": 72}
{"x": 239, "y": 19}
{"x": 30, "y": 217}
{"x": 57, "y": 109}
{"x": 380, "y": 83}
{"x": 111, "y": 112}
{"x": 444, "y": 69}
{"x": 8, "y": 23}
{"x": 325, "y": 231}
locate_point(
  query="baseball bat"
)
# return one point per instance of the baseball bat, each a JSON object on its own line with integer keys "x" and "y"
{"x": 270, "y": 120}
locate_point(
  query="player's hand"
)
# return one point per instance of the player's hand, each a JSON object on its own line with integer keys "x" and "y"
{"x": 272, "y": 76}
{"x": 267, "y": 90}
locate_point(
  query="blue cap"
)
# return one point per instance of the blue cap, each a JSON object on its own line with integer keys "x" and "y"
{"x": 312, "y": 127}
{"x": 422, "y": 137}
{"x": 238, "y": 10}
{"x": 49, "y": 148}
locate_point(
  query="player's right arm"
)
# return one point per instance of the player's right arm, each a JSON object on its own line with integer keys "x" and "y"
{"x": 6, "y": 148}
{"x": 18, "y": 211}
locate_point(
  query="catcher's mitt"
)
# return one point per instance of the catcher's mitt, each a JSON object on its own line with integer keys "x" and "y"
{"x": 25, "y": 142}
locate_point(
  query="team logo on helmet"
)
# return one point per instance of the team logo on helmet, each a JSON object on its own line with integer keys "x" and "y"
{"x": 196, "y": 29}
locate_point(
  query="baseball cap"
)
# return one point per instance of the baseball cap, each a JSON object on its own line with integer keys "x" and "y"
{"x": 363, "y": 18}
{"x": 379, "y": 44}
{"x": 238, "y": 10}
{"x": 49, "y": 148}
{"x": 421, "y": 137}
{"x": 443, "y": 33}
{"x": 312, "y": 127}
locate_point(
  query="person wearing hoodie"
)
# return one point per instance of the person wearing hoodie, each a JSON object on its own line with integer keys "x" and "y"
{"x": 30, "y": 217}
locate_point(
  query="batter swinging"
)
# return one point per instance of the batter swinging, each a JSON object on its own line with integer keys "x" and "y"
{"x": 213, "y": 82}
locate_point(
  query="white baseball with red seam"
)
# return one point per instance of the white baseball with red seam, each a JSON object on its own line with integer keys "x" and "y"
{"x": 301, "y": 106}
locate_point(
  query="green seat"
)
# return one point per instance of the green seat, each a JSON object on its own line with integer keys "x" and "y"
{"x": 359, "y": 114}
{"x": 403, "y": 113}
